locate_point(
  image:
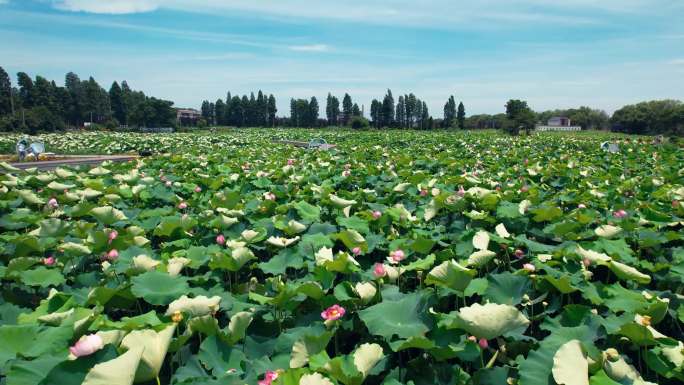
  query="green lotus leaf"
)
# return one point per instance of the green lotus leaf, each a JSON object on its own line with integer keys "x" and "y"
{"x": 607, "y": 231}
{"x": 56, "y": 186}
{"x": 341, "y": 203}
{"x": 158, "y": 288}
{"x": 404, "y": 317}
{"x": 619, "y": 370}
{"x": 238, "y": 325}
{"x": 490, "y": 320}
{"x": 401, "y": 187}
{"x": 570, "y": 366}
{"x": 108, "y": 215}
{"x": 52, "y": 227}
{"x": 307, "y": 211}
{"x": 99, "y": 171}
{"x": 30, "y": 197}
{"x": 219, "y": 357}
{"x": 308, "y": 346}
{"x": 194, "y": 307}
{"x": 314, "y": 379}
{"x": 42, "y": 277}
{"x": 628, "y": 273}
{"x": 154, "y": 344}
{"x": 119, "y": 371}
{"x": 451, "y": 275}
{"x": 144, "y": 262}
{"x": 480, "y": 258}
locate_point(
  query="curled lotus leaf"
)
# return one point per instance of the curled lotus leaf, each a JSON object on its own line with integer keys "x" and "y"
{"x": 490, "y": 320}
{"x": 195, "y": 307}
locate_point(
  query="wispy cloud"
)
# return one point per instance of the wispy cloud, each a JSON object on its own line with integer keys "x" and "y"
{"x": 310, "y": 48}
{"x": 677, "y": 62}
{"x": 114, "y": 7}
{"x": 4, "y": 2}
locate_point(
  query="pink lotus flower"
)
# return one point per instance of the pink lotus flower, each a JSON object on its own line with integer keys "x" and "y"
{"x": 586, "y": 262}
{"x": 423, "y": 192}
{"x": 619, "y": 214}
{"x": 198, "y": 189}
{"x": 376, "y": 214}
{"x": 581, "y": 206}
{"x": 397, "y": 255}
{"x": 182, "y": 205}
{"x": 49, "y": 261}
{"x": 461, "y": 192}
{"x": 524, "y": 189}
{"x": 379, "y": 270}
{"x": 290, "y": 162}
{"x": 87, "y": 345}
{"x": 270, "y": 196}
{"x": 112, "y": 255}
{"x": 356, "y": 250}
{"x": 528, "y": 267}
{"x": 483, "y": 343}
{"x": 269, "y": 377}
{"x": 220, "y": 239}
{"x": 53, "y": 203}
{"x": 519, "y": 253}
{"x": 333, "y": 313}
{"x": 112, "y": 236}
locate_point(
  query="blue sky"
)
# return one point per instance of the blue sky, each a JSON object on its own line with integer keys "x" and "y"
{"x": 553, "y": 53}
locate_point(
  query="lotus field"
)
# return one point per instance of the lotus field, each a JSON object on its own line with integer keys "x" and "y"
{"x": 394, "y": 258}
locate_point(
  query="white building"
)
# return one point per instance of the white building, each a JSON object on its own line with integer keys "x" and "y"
{"x": 558, "y": 123}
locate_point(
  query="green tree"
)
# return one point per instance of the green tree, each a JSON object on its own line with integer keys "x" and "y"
{"x": 116, "y": 100}
{"x": 6, "y": 102}
{"x": 375, "y": 113}
{"x": 400, "y": 114}
{"x": 388, "y": 109}
{"x": 664, "y": 117}
{"x": 26, "y": 92}
{"x": 272, "y": 109}
{"x": 347, "y": 106}
{"x": 519, "y": 117}
{"x": 219, "y": 112}
{"x": 356, "y": 111}
{"x": 460, "y": 116}
{"x": 313, "y": 112}
{"x": 449, "y": 112}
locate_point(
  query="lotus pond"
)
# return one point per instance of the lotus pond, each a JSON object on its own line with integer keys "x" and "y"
{"x": 396, "y": 258}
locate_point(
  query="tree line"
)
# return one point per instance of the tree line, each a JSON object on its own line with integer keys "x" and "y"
{"x": 39, "y": 104}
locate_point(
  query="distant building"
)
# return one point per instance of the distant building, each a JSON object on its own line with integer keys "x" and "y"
{"x": 558, "y": 123}
{"x": 188, "y": 116}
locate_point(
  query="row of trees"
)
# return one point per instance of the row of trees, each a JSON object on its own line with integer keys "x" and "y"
{"x": 40, "y": 104}
{"x": 655, "y": 117}
{"x": 252, "y": 111}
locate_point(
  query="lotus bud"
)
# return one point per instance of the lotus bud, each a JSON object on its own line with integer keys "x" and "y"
{"x": 198, "y": 189}
{"x": 49, "y": 261}
{"x": 581, "y": 206}
{"x": 519, "y": 253}
{"x": 483, "y": 343}
{"x": 220, "y": 239}
{"x": 379, "y": 270}
{"x": 182, "y": 205}
{"x": 397, "y": 256}
{"x": 177, "y": 317}
{"x": 112, "y": 255}
{"x": 356, "y": 250}
{"x": 529, "y": 268}
{"x": 112, "y": 235}
{"x": 376, "y": 214}
{"x": 290, "y": 162}
{"x": 524, "y": 189}
{"x": 87, "y": 345}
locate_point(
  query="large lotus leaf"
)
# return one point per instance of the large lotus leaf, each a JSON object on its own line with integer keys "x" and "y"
{"x": 238, "y": 325}
{"x": 42, "y": 277}
{"x": 481, "y": 240}
{"x": 108, "y": 215}
{"x": 352, "y": 239}
{"x": 507, "y": 288}
{"x": 619, "y": 370}
{"x": 607, "y": 231}
{"x": 480, "y": 258}
{"x": 314, "y": 379}
{"x": 194, "y": 307}
{"x": 33, "y": 371}
{"x": 219, "y": 357}
{"x": 593, "y": 256}
{"x": 451, "y": 275}
{"x": 341, "y": 203}
{"x": 155, "y": 345}
{"x": 404, "y": 317}
{"x": 158, "y": 288}
{"x": 366, "y": 357}
{"x": 30, "y": 197}
{"x": 308, "y": 346}
{"x": 307, "y": 211}
{"x": 52, "y": 227}
{"x": 75, "y": 249}
{"x": 234, "y": 261}
{"x": 57, "y": 186}
{"x": 570, "y": 366}
{"x": 490, "y": 320}
{"x": 74, "y": 372}
{"x": 119, "y": 371}
{"x": 628, "y": 273}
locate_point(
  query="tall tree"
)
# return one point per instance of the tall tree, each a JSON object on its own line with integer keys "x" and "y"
{"x": 400, "y": 115}
{"x": 272, "y": 109}
{"x": 388, "y": 109}
{"x": 460, "y": 117}
{"x": 116, "y": 100}
{"x": 220, "y": 112}
{"x": 356, "y": 111}
{"x": 206, "y": 111}
{"x": 449, "y": 112}
{"x": 6, "y": 102}
{"x": 313, "y": 112}
{"x": 25, "y": 90}
{"x": 261, "y": 110}
{"x": 347, "y": 106}
{"x": 376, "y": 113}
{"x": 425, "y": 117}
{"x": 519, "y": 117}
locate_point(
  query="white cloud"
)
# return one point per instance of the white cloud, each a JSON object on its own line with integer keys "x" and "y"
{"x": 114, "y": 7}
{"x": 309, "y": 48}
{"x": 677, "y": 62}
{"x": 4, "y": 2}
